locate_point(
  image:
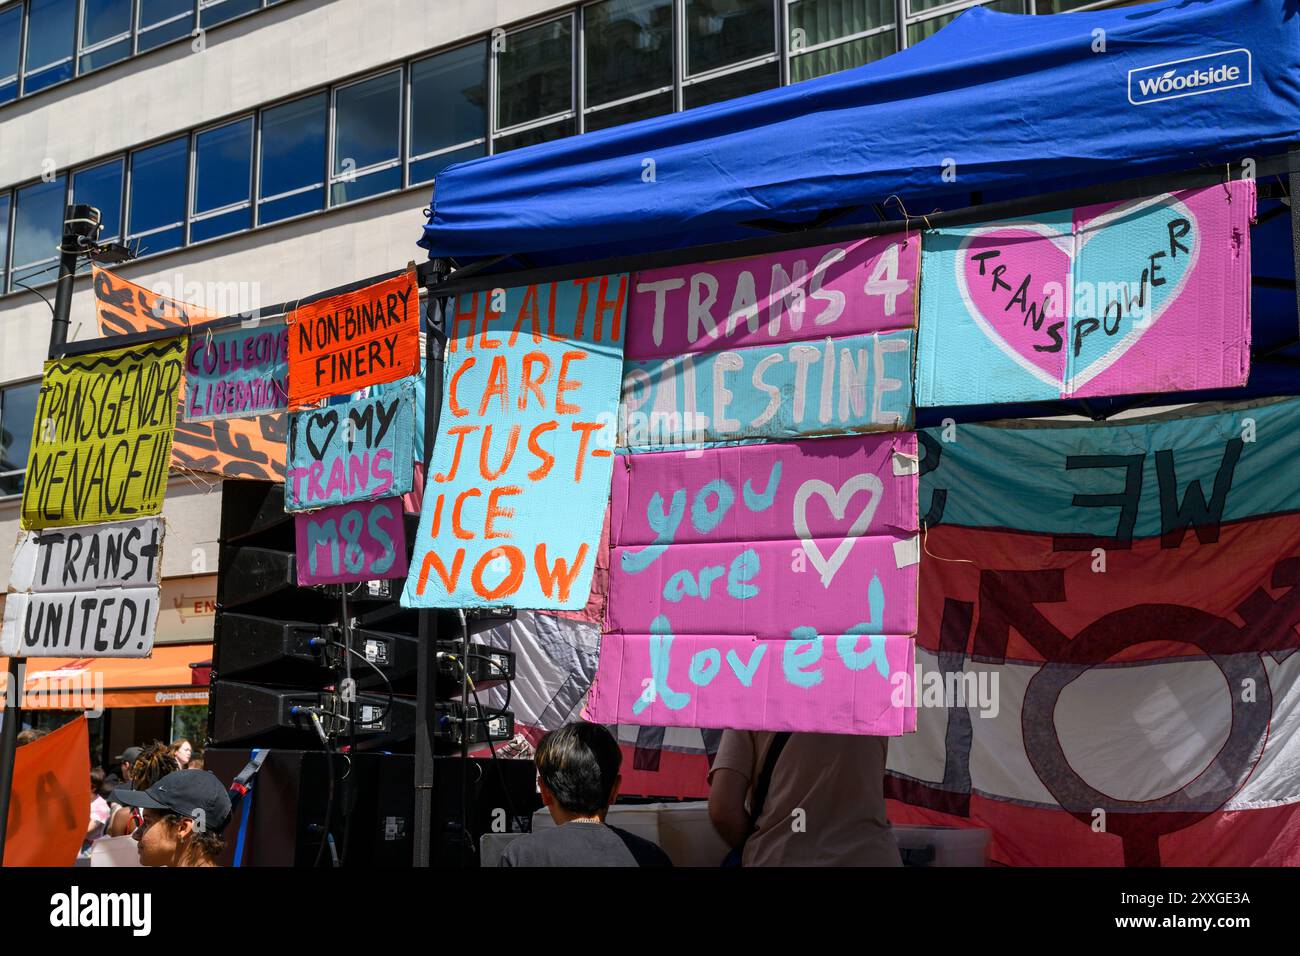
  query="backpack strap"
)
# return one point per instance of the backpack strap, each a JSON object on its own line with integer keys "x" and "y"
{"x": 764, "y": 782}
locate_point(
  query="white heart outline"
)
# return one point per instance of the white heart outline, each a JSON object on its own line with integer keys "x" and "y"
{"x": 1072, "y": 245}
{"x": 838, "y": 502}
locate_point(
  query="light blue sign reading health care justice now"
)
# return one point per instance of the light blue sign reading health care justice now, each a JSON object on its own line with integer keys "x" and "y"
{"x": 520, "y": 471}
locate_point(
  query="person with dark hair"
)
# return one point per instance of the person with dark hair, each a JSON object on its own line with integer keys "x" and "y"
{"x": 151, "y": 765}
{"x": 184, "y": 814}
{"x": 578, "y": 774}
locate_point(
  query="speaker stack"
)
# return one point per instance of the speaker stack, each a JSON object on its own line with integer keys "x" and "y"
{"x": 324, "y": 677}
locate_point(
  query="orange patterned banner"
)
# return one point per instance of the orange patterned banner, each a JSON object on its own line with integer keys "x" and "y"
{"x": 233, "y": 448}
{"x": 125, "y": 307}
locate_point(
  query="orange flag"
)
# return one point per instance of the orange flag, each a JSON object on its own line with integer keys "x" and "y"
{"x": 50, "y": 807}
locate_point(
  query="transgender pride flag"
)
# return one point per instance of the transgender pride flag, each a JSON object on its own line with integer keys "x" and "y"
{"x": 1121, "y": 600}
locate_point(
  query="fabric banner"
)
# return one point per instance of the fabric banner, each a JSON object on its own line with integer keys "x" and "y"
{"x": 771, "y": 569}
{"x": 50, "y": 801}
{"x": 356, "y": 451}
{"x": 125, "y": 307}
{"x": 237, "y": 374}
{"x": 527, "y": 429}
{"x": 232, "y": 448}
{"x": 347, "y": 342}
{"x": 1148, "y": 295}
{"x": 1117, "y": 683}
{"x": 102, "y": 438}
{"x": 352, "y": 542}
{"x": 824, "y": 349}
{"x": 89, "y": 591}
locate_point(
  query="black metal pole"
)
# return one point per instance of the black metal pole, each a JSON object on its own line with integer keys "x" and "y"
{"x": 80, "y": 222}
{"x": 426, "y": 703}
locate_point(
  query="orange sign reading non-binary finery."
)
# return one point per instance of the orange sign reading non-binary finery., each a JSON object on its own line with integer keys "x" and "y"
{"x": 347, "y": 342}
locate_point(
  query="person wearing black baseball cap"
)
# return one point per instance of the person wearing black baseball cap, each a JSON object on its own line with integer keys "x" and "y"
{"x": 184, "y": 814}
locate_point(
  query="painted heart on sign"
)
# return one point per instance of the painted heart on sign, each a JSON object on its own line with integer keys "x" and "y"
{"x": 1049, "y": 255}
{"x": 838, "y": 503}
{"x": 320, "y": 420}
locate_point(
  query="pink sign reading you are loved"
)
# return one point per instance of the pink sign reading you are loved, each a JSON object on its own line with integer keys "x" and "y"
{"x": 764, "y": 587}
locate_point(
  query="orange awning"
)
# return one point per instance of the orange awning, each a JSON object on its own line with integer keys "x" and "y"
{"x": 97, "y": 683}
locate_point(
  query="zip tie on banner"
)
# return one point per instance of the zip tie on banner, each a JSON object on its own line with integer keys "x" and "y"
{"x": 925, "y": 530}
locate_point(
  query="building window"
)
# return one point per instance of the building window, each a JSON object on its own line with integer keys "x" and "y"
{"x": 535, "y": 85}
{"x": 156, "y": 216}
{"x": 101, "y": 186}
{"x": 162, "y": 21}
{"x": 730, "y": 50}
{"x": 628, "y": 50}
{"x": 4, "y": 240}
{"x": 11, "y": 48}
{"x": 827, "y": 36}
{"x": 448, "y": 110}
{"x": 105, "y": 33}
{"x": 920, "y": 30}
{"x": 291, "y": 165}
{"x": 212, "y": 12}
{"x": 38, "y": 230}
{"x": 367, "y": 138}
{"x": 17, "y": 415}
{"x": 721, "y": 33}
{"x": 51, "y": 33}
{"x": 223, "y": 180}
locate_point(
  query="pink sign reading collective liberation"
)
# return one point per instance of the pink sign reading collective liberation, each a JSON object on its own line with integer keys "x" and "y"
{"x": 768, "y": 587}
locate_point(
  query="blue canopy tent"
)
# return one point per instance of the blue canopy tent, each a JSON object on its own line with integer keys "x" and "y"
{"x": 1016, "y": 106}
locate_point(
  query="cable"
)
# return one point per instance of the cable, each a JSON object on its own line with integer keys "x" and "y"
{"x": 387, "y": 682}
{"x": 329, "y": 770}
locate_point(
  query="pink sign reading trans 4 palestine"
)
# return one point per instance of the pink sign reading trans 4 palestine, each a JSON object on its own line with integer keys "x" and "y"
{"x": 763, "y": 587}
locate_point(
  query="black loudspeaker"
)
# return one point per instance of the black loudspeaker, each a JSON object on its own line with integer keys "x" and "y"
{"x": 276, "y": 716}
{"x": 502, "y": 797}
{"x": 278, "y": 649}
{"x": 282, "y": 819}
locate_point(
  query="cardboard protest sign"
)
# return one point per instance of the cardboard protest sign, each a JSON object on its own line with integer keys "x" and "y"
{"x": 1148, "y": 295}
{"x": 50, "y": 800}
{"x": 830, "y": 387}
{"x": 527, "y": 429}
{"x": 233, "y": 448}
{"x": 347, "y": 342}
{"x": 237, "y": 374}
{"x": 86, "y": 591}
{"x": 353, "y": 452}
{"x": 808, "y": 342}
{"x": 125, "y": 307}
{"x": 743, "y": 577}
{"x": 353, "y": 542}
{"x": 102, "y": 439}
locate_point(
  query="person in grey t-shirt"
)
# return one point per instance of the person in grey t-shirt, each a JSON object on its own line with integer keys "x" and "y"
{"x": 578, "y": 774}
